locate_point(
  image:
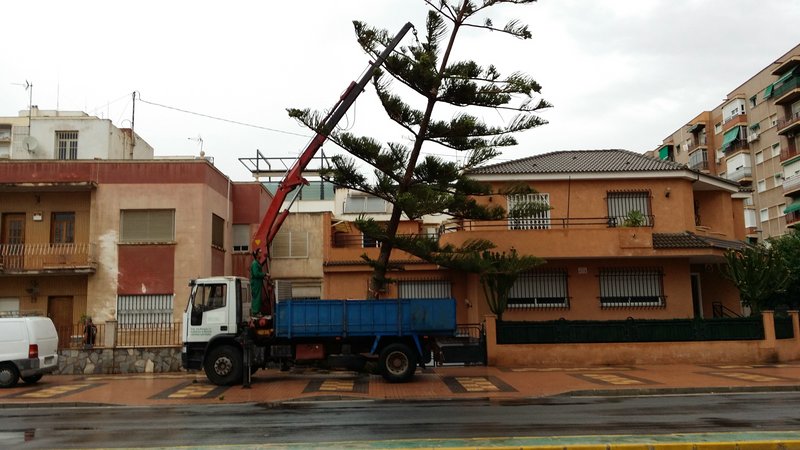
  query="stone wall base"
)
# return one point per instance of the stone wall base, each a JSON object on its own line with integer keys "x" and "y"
{"x": 120, "y": 360}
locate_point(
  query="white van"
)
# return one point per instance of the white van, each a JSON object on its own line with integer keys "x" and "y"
{"x": 28, "y": 349}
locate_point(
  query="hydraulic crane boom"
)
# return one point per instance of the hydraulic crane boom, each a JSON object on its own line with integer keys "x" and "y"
{"x": 273, "y": 219}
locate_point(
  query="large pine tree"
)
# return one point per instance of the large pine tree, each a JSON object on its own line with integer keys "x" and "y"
{"x": 418, "y": 185}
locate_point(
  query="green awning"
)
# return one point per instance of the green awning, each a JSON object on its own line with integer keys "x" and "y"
{"x": 784, "y": 77}
{"x": 730, "y": 136}
{"x": 768, "y": 91}
{"x": 792, "y": 208}
{"x": 663, "y": 152}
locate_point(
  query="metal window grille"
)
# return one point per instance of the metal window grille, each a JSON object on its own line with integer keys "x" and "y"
{"x": 424, "y": 289}
{"x": 298, "y": 289}
{"x": 621, "y": 204}
{"x": 147, "y": 225}
{"x": 536, "y": 221}
{"x": 369, "y": 242}
{"x": 540, "y": 289}
{"x": 632, "y": 287}
{"x": 67, "y": 144}
{"x": 290, "y": 244}
{"x": 137, "y": 311}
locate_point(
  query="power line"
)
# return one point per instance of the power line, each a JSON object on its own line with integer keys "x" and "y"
{"x": 223, "y": 119}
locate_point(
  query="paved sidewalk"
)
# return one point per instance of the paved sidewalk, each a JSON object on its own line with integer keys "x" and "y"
{"x": 500, "y": 383}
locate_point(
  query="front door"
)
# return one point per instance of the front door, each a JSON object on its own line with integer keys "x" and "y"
{"x": 12, "y": 253}
{"x": 59, "y": 310}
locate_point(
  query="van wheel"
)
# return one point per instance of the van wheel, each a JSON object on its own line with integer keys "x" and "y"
{"x": 32, "y": 379}
{"x": 398, "y": 363}
{"x": 8, "y": 375}
{"x": 223, "y": 365}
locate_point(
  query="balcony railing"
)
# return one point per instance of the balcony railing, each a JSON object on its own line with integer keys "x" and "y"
{"x": 542, "y": 224}
{"x": 739, "y": 174}
{"x": 697, "y": 146}
{"x": 356, "y": 241}
{"x": 735, "y": 146}
{"x": 700, "y": 165}
{"x": 788, "y": 124}
{"x": 792, "y": 217}
{"x": 791, "y": 184}
{"x": 786, "y": 86}
{"x": 45, "y": 257}
{"x": 790, "y": 152}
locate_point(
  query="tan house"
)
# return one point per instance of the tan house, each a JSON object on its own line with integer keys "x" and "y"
{"x": 117, "y": 240}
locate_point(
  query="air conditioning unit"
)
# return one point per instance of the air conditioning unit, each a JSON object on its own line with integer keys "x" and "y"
{"x": 752, "y": 137}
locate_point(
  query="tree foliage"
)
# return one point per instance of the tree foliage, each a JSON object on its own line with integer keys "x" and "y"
{"x": 416, "y": 184}
{"x": 788, "y": 248}
{"x": 759, "y": 273}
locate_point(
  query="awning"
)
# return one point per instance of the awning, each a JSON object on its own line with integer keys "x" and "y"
{"x": 696, "y": 127}
{"x": 768, "y": 91}
{"x": 730, "y": 136}
{"x": 663, "y": 152}
{"x": 341, "y": 227}
{"x": 792, "y": 208}
{"x": 784, "y": 77}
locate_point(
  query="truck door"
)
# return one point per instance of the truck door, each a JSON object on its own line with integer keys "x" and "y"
{"x": 208, "y": 312}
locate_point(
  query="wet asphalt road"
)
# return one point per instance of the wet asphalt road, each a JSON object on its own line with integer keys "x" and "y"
{"x": 95, "y": 427}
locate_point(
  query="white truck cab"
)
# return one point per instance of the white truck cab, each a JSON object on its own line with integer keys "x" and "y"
{"x": 28, "y": 349}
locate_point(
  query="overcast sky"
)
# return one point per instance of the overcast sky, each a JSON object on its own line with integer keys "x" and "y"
{"x": 620, "y": 73}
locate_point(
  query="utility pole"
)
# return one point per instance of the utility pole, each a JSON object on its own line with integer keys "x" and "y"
{"x": 133, "y": 119}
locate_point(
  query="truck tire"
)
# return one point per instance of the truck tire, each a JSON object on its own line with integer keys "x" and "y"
{"x": 398, "y": 363}
{"x": 32, "y": 379}
{"x": 223, "y": 365}
{"x": 8, "y": 375}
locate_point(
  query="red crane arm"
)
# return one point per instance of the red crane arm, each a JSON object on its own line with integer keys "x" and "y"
{"x": 274, "y": 218}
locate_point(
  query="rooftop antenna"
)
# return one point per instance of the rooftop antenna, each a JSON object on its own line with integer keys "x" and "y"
{"x": 200, "y": 140}
{"x": 28, "y": 87}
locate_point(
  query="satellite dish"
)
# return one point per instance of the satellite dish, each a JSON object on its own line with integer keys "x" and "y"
{"x": 30, "y": 143}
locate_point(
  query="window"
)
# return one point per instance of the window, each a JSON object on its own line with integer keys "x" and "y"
{"x": 210, "y": 296}
{"x": 67, "y": 144}
{"x": 778, "y": 179}
{"x": 62, "y": 228}
{"x": 523, "y": 214}
{"x": 750, "y": 218}
{"x": 753, "y": 101}
{"x": 144, "y": 310}
{"x": 9, "y": 305}
{"x": 762, "y": 185}
{"x": 624, "y": 207}
{"x": 298, "y": 289}
{"x": 759, "y": 157}
{"x": 773, "y": 120}
{"x": 147, "y": 225}
{"x": 540, "y": 289}
{"x": 718, "y": 128}
{"x": 776, "y": 150}
{"x": 368, "y": 242}
{"x": 290, "y": 244}
{"x": 364, "y": 204}
{"x": 217, "y": 231}
{"x": 631, "y": 287}
{"x": 241, "y": 238}
{"x": 423, "y": 289}
{"x": 764, "y": 214}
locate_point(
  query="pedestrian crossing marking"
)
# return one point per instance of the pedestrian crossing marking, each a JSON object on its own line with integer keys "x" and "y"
{"x": 55, "y": 391}
{"x": 568, "y": 369}
{"x": 192, "y": 391}
{"x": 465, "y": 385}
{"x": 745, "y": 376}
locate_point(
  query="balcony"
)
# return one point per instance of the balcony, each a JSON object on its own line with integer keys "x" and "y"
{"x": 16, "y": 259}
{"x": 698, "y": 146}
{"x": 788, "y": 91}
{"x": 791, "y": 185}
{"x": 730, "y": 122}
{"x": 700, "y": 165}
{"x": 735, "y": 146}
{"x": 740, "y": 174}
{"x": 789, "y": 125}
{"x": 789, "y": 152}
{"x": 792, "y": 219}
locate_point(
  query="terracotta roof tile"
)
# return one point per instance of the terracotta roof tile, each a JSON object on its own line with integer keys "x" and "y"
{"x": 576, "y": 161}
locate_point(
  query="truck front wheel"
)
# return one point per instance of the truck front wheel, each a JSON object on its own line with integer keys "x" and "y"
{"x": 223, "y": 365}
{"x": 398, "y": 363}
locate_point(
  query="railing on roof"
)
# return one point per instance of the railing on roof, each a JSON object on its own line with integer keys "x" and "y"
{"x": 542, "y": 224}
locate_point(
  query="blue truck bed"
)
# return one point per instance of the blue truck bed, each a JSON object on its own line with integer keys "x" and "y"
{"x": 349, "y": 318}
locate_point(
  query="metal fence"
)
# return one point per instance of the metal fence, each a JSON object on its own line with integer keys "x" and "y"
{"x": 127, "y": 336}
{"x": 631, "y": 330}
{"x": 783, "y": 327}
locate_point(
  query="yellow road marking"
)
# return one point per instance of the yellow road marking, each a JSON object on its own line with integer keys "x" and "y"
{"x": 337, "y": 385}
{"x": 611, "y": 378}
{"x": 54, "y": 391}
{"x": 747, "y": 376}
{"x": 476, "y": 384}
{"x": 192, "y": 391}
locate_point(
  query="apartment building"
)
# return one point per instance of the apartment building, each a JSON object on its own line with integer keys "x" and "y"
{"x": 752, "y": 138}
{"x": 116, "y": 240}
{"x": 67, "y": 135}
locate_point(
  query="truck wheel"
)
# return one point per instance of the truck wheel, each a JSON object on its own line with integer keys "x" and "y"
{"x": 223, "y": 365}
{"x": 8, "y": 375}
{"x": 32, "y": 379}
{"x": 398, "y": 363}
